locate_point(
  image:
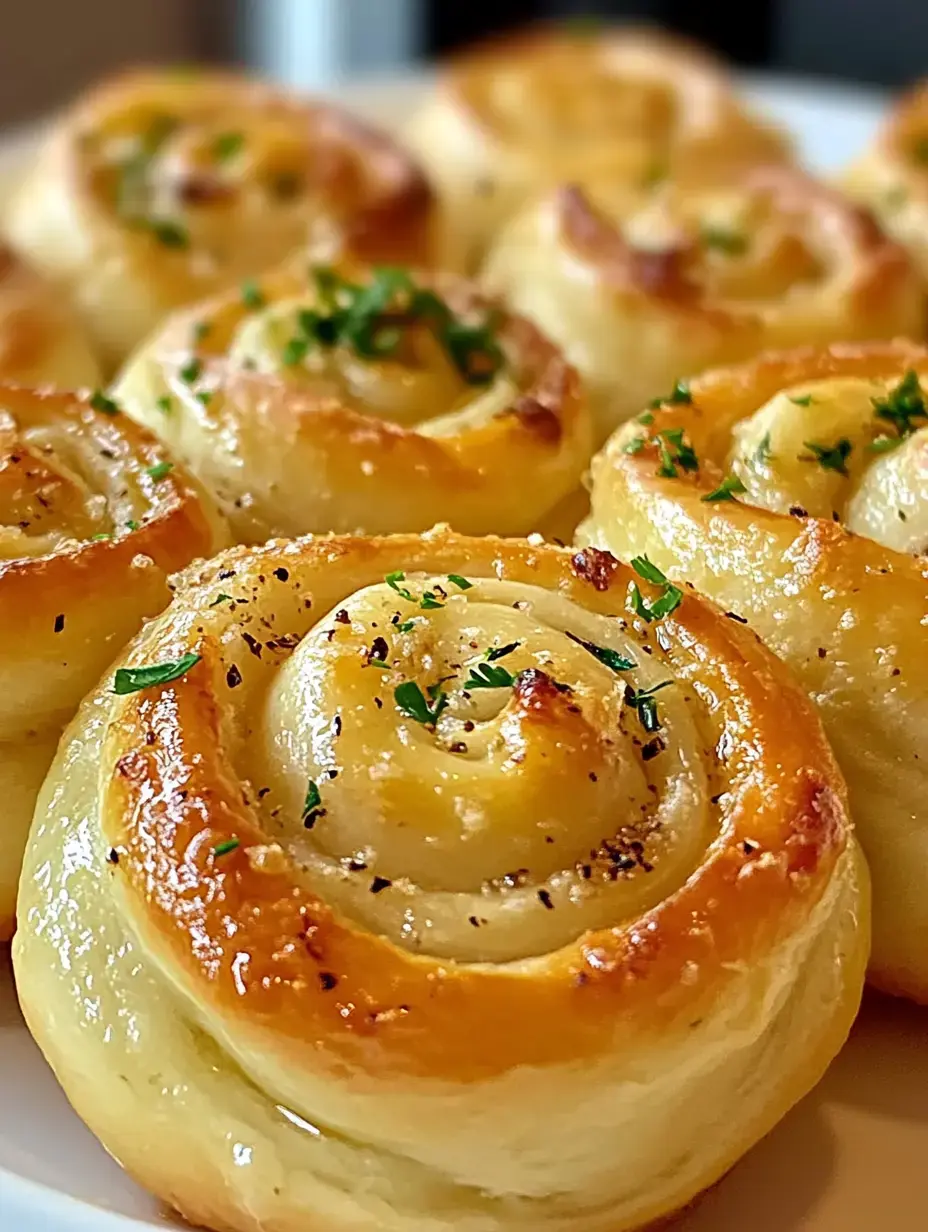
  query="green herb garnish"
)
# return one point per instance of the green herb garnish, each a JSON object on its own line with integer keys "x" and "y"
{"x": 100, "y": 402}
{"x": 132, "y": 679}
{"x": 829, "y": 457}
{"x": 903, "y": 405}
{"x": 164, "y": 403}
{"x": 802, "y": 400}
{"x": 223, "y": 598}
{"x": 730, "y": 487}
{"x": 430, "y": 600}
{"x": 643, "y": 701}
{"x": 635, "y": 445}
{"x": 312, "y": 805}
{"x": 674, "y": 452}
{"x": 223, "y": 849}
{"x": 252, "y": 295}
{"x": 393, "y": 579}
{"x": 295, "y": 350}
{"x": 159, "y": 470}
{"x": 611, "y": 658}
{"x": 170, "y": 234}
{"x": 461, "y": 582}
{"x": 680, "y": 394}
{"x": 486, "y": 676}
{"x": 405, "y": 626}
{"x": 762, "y": 454}
{"x": 412, "y": 702}
{"x": 191, "y": 370}
{"x": 669, "y": 599}
{"x": 722, "y": 239}
{"x": 500, "y": 652}
{"x": 227, "y": 145}
{"x": 132, "y": 524}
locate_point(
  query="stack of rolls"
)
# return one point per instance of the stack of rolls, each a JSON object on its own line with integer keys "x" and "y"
{"x": 441, "y": 878}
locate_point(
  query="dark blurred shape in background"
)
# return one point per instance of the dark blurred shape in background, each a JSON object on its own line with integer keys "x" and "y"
{"x": 49, "y": 48}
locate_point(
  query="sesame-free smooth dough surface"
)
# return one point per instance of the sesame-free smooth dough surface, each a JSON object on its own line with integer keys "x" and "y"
{"x": 88, "y": 539}
{"x": 324, "y": 438}
{"x": 161, "y": 186}
{"x": 641, "y": 284}
{"x": 514, "y": 116}
{"x": 514, "y": 962}
{"x": 823, "y": 554}
{"x": 41, "y": 342}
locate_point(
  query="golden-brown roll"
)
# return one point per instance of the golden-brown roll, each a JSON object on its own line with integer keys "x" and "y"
{"x": 93, "y": 520}
{"x": 443, "y": 883}
{"x": 344, "y": 398}
{"x": 891, "y": 176}
{"x": 162, "y": 186}
{"x": 41, "y": 342}
{"x": 642, "y": 285}
{"x": 521, "y": 114}
{"x": 794, "y": 492}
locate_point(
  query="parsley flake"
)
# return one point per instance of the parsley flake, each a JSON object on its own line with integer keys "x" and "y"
{"x": 499, "y": 652}
{"x": 667, "y": 601}
{"x": 132, "y": 679}
{"x": 252, "y": 295}
{"x": 730, "y": 487}
{"x": 461, "y": 582}
{"x": 159, "y": 470}
{"x": 724, "y": 239}
{"x": 675, "y": 451}
{"x": 100, "y": 402}
{"x": 223, "y": 598}
{"x": 164, "y": 403}
{"x": 486, "y": 676}
{"x": 393, "y": 579}
{"x": 295, "y": 350}
{"x": 679, "y": 395}
{"x": 312, "y": 805}
{"x": 802, "y": 400}
{"x": 611, "y": 658}
{"x": 169, "y": 234}
{"x": 227, "y": 145}
{"x": 224, "y": 848}
{"x": 903, "y": 405}
{"x": 191, "y": 370}
{"x": 644, "y": 702}
{"x": 412, "y": 702}
{"x": 762, "y": 454}
{"x": 829, "y": 457}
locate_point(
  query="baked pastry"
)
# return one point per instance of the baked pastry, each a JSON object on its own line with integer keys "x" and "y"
{"x": 793, "y": 492}
{"x": 642, "y": 285}
{"x": 94, "y": 521}
{"x": 41, "y": 343}
{"x": 439, "y": 883}
{"x": 521, "y": 114}
{"x": 891, "y": 176}
{"x": 344, "y": 398}
{"x": 162, "y": 186}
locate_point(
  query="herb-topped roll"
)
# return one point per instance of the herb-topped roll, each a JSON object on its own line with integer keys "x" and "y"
{"x": 41, "y": 342}
{"x": 794, "y": 492}
{"x": 642, "y": 284}
{"x": 444, "y": 884}
{"x": 93, "y": 520}
{"x": 347, "y": 398}
{"x": 891, "y": 176}
{"x": 161, "y": 187}
{"x": 521, "y": 114}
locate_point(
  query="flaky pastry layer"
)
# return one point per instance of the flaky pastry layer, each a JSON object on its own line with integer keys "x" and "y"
{"x": 458, "y": 883}
{"x": 383, "y": 429}
{"x": 93, "y": 521}
{"x": 794, "y": 492}
{"x": 642, "y": 283}
{"x": 163, "y": 186}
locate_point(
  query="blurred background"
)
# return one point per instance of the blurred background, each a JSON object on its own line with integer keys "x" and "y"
{"x": 51, "y": 47}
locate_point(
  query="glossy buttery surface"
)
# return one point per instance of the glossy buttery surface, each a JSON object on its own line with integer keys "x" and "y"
{"x": 575, "y": 1015}
{"x": 823, "y": 560}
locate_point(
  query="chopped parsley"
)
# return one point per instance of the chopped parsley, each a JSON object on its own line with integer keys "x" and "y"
{"x": 165, "y": 403}
{"x": 252, "y": 295}
{"x": 611, "y": 658}
{"x": 224, "y": 848}
{"x": 312, "y": 805}
{"x": 461, "y": 582}
{"x": 667, "y": 601}
{"x": 132, "y": 679}
{"x": 646, "y": 417}
{"x": 191, "y": 370}
{"x": 644, "y": 702}
{"x": 728, "y": 489}
{"x": 802, "y": 400}
{"x": 159, "y": 470}
{"x": 223, "y": 598}
{"x": 227, "y": 145}
{"x": 393, "y": 579}
{"x": 635, "y": 445}
{"x": 674, "y": 452}
{"x": 763, "y": 454}
{"x": 295, "y": 350}
{"x": 405, "y": 626}
{"x": 100, "y": 402}
{"x": 486, "y": 676}
{"x": 680, "y": 394}
{"x": 904, "y": 407}
{"x": 430, "y": 600}
{"x": 412, "y": 702}
{"x": 132, "y": 524}
{"x": 724, "y": 239}
{"x": 829, "y": 457}
{"x": 170, "y": 234}
{"x": 499, "y": 652}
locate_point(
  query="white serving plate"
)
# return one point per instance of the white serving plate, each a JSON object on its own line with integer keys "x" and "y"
{"x": 850, "y": 1158}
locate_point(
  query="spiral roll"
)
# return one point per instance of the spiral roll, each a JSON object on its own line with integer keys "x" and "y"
{"x": 641, "y": 285}
{"x": 524, "y": 114}
{"x": 161, "y": 187}
{"x": 793, "y": 492}
{"x": 891, "y": 176}
{"x": 344, "y": 398}
{"x": 93, "y": 520}
{"x": 41, "y": 343}
{"x": 439, "y": 883}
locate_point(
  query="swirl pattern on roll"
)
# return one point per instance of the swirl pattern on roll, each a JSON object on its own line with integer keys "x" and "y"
{"x": 344, "y": 398}
{"x": 41, "y": 342}
{"x": 161, "y": 187}
{"x": 514, "y": 117}
{"x": 794, "y": 492}
{"x": 93, "y": 520}
{"x": 643, "y": 283}
{"x": 891, "y": 176}
{"x": 470, "y": 880}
